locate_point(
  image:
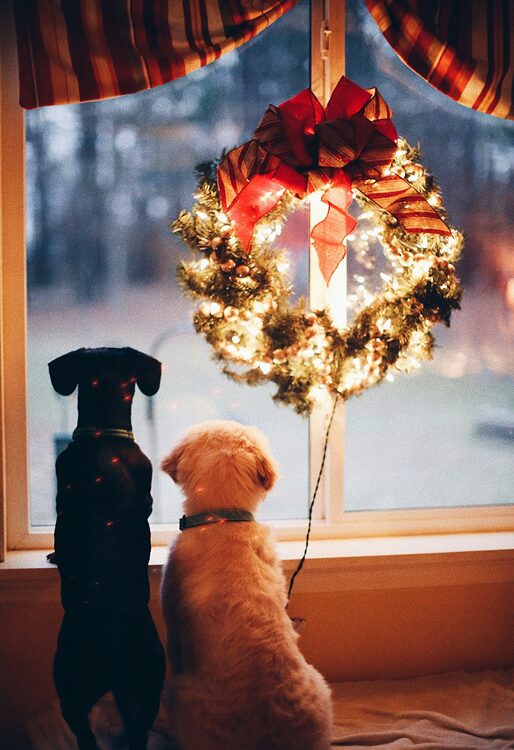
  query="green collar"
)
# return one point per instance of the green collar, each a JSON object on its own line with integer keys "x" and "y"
{"x": 214, "y": 516}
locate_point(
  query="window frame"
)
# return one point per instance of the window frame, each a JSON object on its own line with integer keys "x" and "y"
{"x": 330, "y": 518}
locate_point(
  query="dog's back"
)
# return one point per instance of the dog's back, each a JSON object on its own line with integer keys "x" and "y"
{"x": 102, "y": 537}
{"x": 240, "y": 680}
{"x": 107, "y": 640}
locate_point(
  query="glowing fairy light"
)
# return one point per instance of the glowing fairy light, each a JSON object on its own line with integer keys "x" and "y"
{"x": 266, "y": 233}
{"x": 384, "y": 325}
{"x": 265, "y": 367}
{"x": 202, "y": 215}
{"x": 245, "y": 353}
{"x": 215, "y": 308}
{"x": 231, "y": 313}
{"x": 259, "y": 307}
{"x": 320, "y": 341}
{"x": 317, "y": 394}
{"x": 424, "y": 265}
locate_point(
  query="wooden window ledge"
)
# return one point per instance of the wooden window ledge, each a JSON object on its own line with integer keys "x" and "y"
{"x": 333, "y": 565}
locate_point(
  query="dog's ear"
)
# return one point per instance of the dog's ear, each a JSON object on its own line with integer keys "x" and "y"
{"x": 266, "y": 471}
{"x": 169, "y": 464}
{"x": 147, "y": 371}
{"x": 64, "y": 372}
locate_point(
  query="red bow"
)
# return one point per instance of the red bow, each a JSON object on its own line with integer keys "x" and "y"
{"x": 301, "y": 147}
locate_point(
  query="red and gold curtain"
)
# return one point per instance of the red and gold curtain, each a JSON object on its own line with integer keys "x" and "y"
{"x": 81, "y": 50}
{"x": 464, "y": 48}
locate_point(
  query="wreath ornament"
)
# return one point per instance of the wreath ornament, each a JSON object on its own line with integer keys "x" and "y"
{"x": 350, "y": 150}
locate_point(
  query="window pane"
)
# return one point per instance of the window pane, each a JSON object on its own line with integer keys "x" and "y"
{"x": 444, "y": 436}
{"x": 103, "y": 181}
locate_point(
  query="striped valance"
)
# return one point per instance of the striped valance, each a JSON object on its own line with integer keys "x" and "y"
{"x": 80, "y": 50}
{"x": 464, "y": 48}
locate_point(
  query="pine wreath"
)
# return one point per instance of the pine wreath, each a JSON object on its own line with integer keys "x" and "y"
{"x": 259, "y": 335}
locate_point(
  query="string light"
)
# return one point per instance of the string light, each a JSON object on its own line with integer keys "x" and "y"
{"x": 215, "y": 308}
{"x": 265, "y": 367}
{"x": 317, "y": 394}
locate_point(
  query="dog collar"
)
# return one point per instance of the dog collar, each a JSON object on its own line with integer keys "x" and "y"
{"x": 102, "y": 432}
{"x": 214, "y": 516}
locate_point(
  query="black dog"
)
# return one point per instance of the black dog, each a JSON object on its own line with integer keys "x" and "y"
{"x": 108, "y": 641}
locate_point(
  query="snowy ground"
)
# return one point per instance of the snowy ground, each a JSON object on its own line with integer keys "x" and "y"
{"x": 411, "y": 443}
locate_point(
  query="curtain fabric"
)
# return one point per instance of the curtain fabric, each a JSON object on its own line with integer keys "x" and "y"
{"x": 82, "y": 50}
{"x": 464, "y": 48}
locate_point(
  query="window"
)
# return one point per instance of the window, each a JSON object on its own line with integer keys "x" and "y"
{"x": 128, "y": 294}
{"x": 104, "y": 179}
{"x": 444, "y": 436}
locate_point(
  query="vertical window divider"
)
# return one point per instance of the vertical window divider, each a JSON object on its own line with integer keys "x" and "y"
{"x": 327, "y": 66}
{"x": 13, "y": 308}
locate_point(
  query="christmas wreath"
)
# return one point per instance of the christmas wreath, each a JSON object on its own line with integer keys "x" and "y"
{"x": 351, "y": 150}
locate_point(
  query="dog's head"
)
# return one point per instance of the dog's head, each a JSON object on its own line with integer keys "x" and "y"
{"x": 221, "y": 464}
{"x": 106, "y": 379}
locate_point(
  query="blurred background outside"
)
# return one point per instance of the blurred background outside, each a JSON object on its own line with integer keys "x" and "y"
{"x": 104, "y": 180}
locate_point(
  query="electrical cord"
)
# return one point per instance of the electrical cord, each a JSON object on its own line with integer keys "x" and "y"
{"x": 311, "y": 506}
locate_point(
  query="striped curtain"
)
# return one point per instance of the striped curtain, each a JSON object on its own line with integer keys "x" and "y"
{"x": 464, "y": 48}
{"x": 81, "y": 50}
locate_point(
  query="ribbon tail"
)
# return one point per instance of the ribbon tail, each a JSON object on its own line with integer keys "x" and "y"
{"x": 259, "y": 197}
{"x": 401, "y": 200}
{"x": 329, "y": 234}
{"x": 248, "y": 188}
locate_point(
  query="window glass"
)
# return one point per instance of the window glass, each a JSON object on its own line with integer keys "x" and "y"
{"x": 446, "y": 435}
{"x": 104, "y": 179}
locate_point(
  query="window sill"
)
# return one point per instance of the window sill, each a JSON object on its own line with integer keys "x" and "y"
{"x": 333, "y": 565}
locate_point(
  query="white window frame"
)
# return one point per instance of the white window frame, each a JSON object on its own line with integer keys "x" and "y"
{"x": 330, "y": 518}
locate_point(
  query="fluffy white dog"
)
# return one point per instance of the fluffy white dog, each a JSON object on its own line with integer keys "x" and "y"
{"x": 239, "y": 680}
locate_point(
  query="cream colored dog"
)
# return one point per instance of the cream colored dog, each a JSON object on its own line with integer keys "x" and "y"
{"x": 240, "y": 681}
